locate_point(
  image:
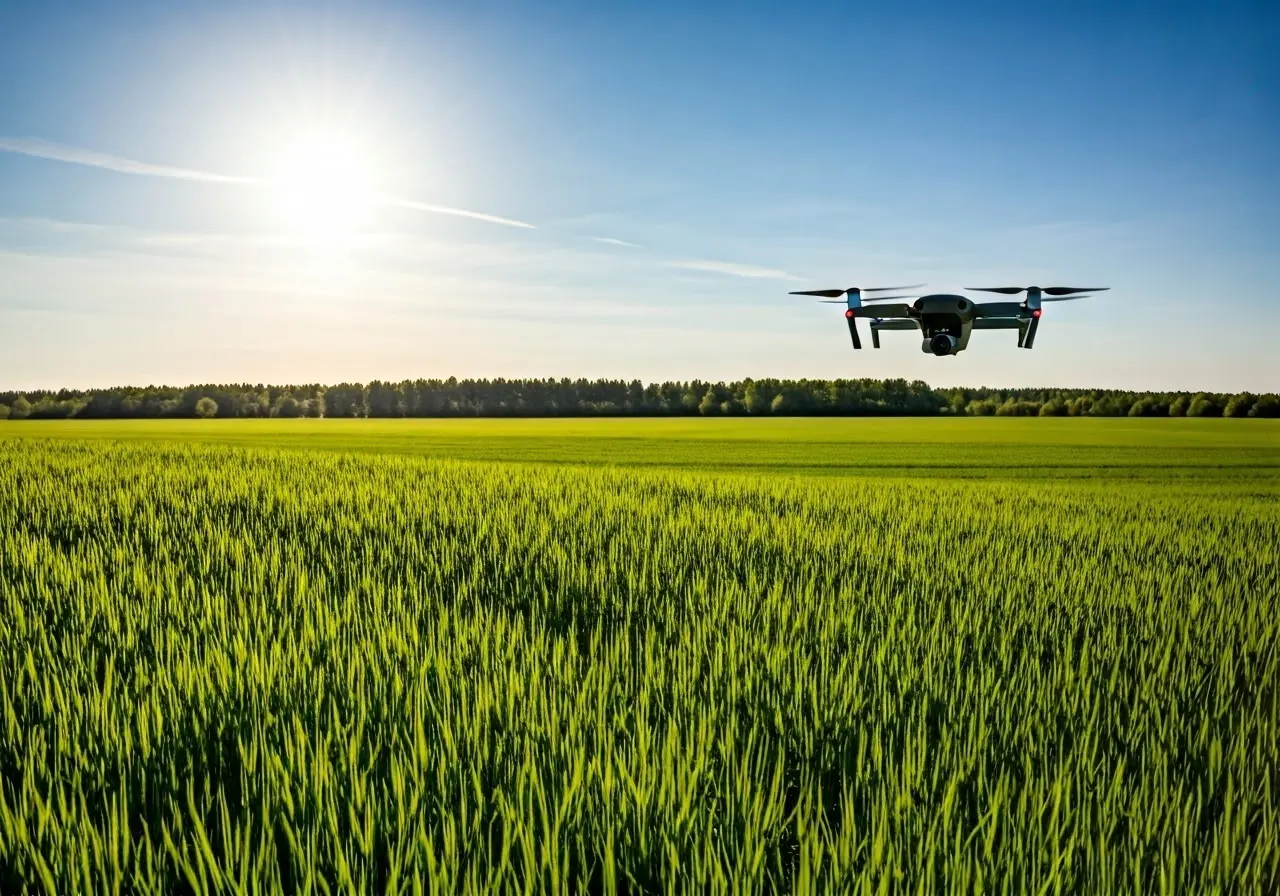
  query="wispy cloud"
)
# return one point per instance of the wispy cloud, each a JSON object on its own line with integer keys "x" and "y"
{"x": 43, "y": 149}
{"x": 460, "y": 212}
{"x": 75, "y": 155}
{"x": 373, "y": 262}
{"x": 40, "y": 234}
{"x": 53, "y": 225}
{"x": 733, "y": 270}
{"x": 615, "y": 242}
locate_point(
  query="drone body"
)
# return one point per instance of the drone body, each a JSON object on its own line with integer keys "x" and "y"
{"x": 945, "y": 320}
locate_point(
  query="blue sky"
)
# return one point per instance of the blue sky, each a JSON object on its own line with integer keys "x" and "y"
{"x": 679, "y": 166}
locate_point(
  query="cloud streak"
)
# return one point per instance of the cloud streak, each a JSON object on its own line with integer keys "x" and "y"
{"x": 43, "y": 149}
{"x": 733, "y": 270}
{"x": 54, "y": 225}
{"x": 75, "y": 155}
{"x": 608, "y": 240}
{"x": 460, "y": 212}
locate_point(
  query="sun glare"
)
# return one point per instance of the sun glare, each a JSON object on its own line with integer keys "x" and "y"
{"x": 323, "y": 189}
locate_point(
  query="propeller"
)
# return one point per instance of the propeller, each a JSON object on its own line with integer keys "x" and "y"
{"x": 855, "y": 300}
{"x": 1047, "y": 290}
{"x": 837, "y": 293}
{"x": 1038, "y": 294}
{"x": 829, "y": 293}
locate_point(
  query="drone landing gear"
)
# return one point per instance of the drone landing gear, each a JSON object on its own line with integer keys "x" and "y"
{"x": 1027, "y": 331}
{"x": 853, "y": 329}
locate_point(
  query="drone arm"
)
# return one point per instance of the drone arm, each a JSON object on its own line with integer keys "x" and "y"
{"x": 897, "y": 310}
{"x": 894, "y": 325}
{"x": 878, "y": 325}
{"x": 997, "y": 309}
{"x": 997, "y": 323}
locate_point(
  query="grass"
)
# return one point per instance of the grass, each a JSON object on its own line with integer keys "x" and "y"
{"x": 964, "y": 447}
{"x": 679, "y": 662}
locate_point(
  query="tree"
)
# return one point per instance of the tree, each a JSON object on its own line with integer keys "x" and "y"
{"x": 206, "y": 408}
{"x": 344, "y": 400}
{"x": 1266, "y": 406}
{"x": 1108, "y": 406}
{"x": 1239, "y": 405}
{"x": 1017, "y": 408}
{"x": 1204, "y": 406}
{"x": 1179, "y": 407}
{"x": 709, "y": 404}
{"x": 755, "y": 402}
{"x": 1148, "y": 406}
{"x": 1079, "y": 406}
{"x": 384, "y": 400}
{"x": 20, "y": 409}
{"x": 778, "y": 405}
{"x": 286, "y": 406}
{"x": 4, "y": 412}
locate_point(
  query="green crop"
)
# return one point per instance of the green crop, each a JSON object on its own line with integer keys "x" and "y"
{"x": 1001, "y": 447}
{"x": 236, "y": 669}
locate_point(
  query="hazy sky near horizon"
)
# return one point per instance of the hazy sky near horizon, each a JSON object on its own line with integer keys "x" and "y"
{"x": 631, "y": 189}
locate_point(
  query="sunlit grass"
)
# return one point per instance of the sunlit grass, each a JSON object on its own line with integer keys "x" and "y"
{"x": 231, "y": 669}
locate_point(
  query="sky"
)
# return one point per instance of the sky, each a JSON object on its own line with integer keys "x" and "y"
{"x": 630, "y": 190}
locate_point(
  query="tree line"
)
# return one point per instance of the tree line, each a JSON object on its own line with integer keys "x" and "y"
{"x": 566, "y": 397}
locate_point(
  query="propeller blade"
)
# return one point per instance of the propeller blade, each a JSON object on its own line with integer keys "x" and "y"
{"x": 888, "y": 288}
{"x": 1062, "y": 298}
{"x": 1048, "y": 291}
{"x": 836, "y": 293}
{"x": 836, "y": 301}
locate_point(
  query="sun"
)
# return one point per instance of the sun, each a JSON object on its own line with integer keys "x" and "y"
{"x": 323, "y": 188}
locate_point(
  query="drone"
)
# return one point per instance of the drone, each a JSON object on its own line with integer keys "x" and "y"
{"x": 948, "y": 320}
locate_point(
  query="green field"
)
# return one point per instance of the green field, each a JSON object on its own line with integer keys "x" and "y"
{"x": 969, "y": 447}
{"x": 841, "y": 655}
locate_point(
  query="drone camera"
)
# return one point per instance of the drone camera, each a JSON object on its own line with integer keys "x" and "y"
{"x": 940, "y": 344}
